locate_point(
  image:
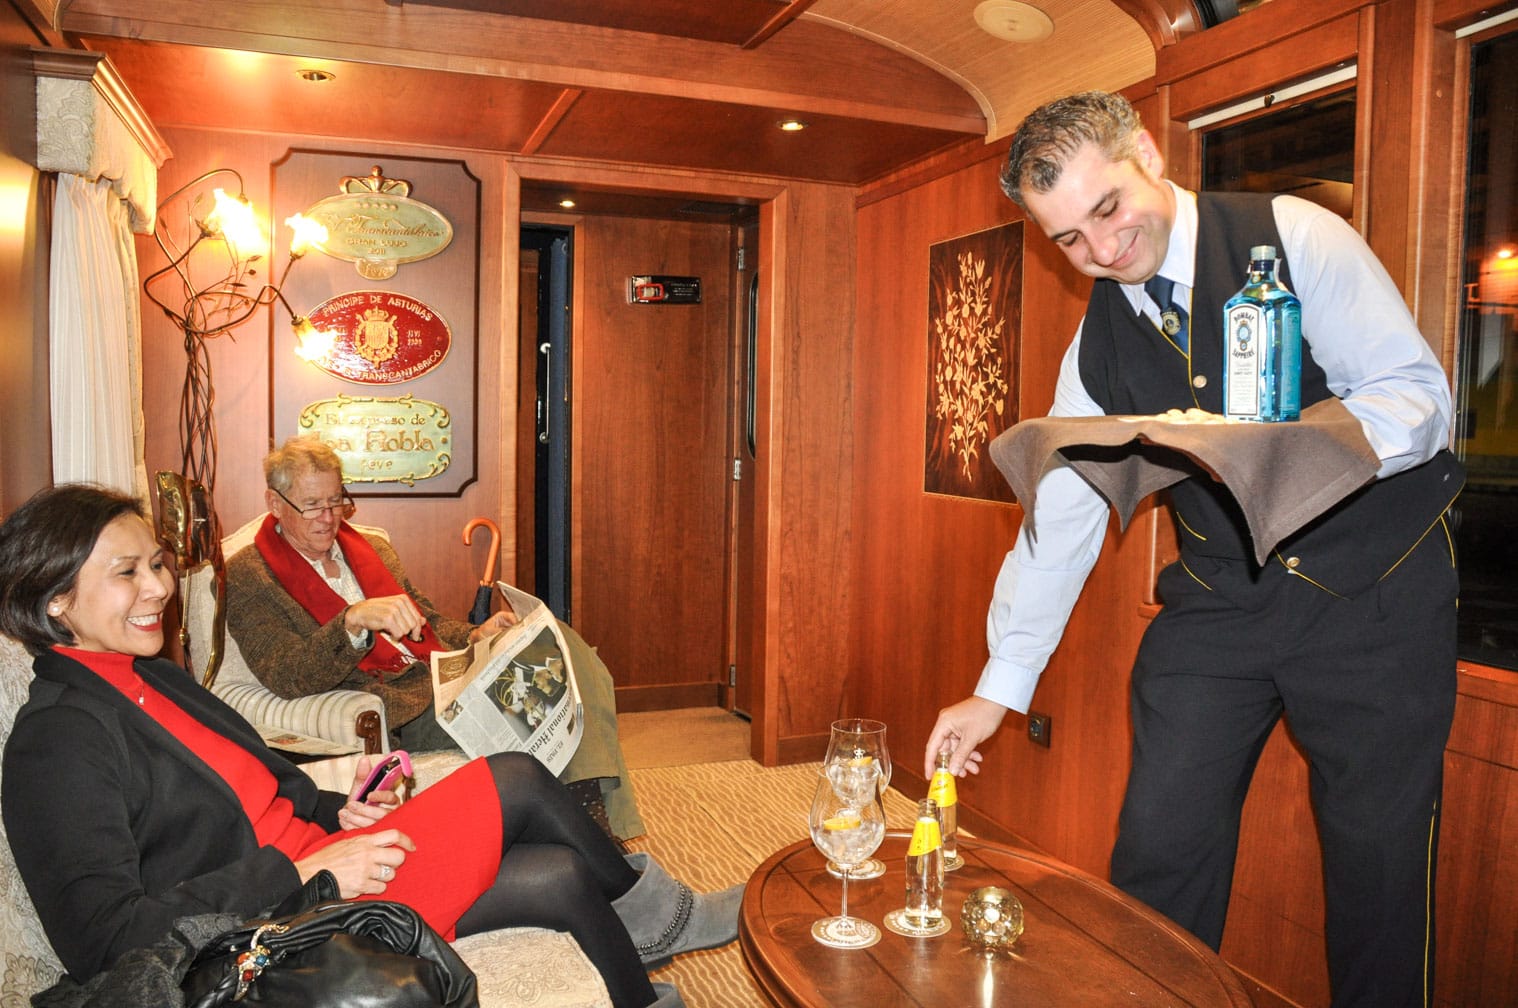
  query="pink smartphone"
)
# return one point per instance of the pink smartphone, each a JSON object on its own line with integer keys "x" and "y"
{"x": 387, "y": 773}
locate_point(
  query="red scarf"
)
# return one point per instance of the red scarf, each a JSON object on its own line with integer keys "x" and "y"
{"x": 295, "y": 573}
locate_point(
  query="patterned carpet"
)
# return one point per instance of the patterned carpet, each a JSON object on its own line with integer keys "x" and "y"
{"x": 712, "y": 824}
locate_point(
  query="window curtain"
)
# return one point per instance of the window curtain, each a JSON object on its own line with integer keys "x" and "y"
{"x": 96, "y": 340}
{"x": 105, "y": 154}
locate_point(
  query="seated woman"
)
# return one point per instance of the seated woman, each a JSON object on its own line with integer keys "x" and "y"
{"x": 132, "y": 796}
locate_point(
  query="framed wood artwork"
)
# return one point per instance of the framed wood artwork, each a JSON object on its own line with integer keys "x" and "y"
{"x": 974, "y": 329}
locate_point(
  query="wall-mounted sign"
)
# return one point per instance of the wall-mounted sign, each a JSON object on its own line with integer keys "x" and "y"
{"x": 379, "y": 338}
{"x": 375, "y": 224}
{"x": 659, "y": 288}
{"x": 383, "y": 440}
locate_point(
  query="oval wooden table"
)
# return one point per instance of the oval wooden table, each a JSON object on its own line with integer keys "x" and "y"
{"x": 1084, "y": 942}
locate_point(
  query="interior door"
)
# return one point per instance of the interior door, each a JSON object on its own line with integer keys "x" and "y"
{"x": 545, "y": 451}
{"x": 652, "y": 470}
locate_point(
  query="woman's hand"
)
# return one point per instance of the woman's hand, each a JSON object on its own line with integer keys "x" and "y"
{"x": 362, "y": 865}
{"x": 380, "y": 803}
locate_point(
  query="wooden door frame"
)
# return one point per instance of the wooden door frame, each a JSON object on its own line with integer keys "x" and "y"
{"x": 770, "y": 259}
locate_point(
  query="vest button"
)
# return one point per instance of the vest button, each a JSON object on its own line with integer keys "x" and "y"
{"x": 1200, "y": 381}
{"x": 1293, "y": 562}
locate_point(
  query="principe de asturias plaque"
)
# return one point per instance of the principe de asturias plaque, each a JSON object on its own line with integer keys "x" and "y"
{"x": 380, "y": 337}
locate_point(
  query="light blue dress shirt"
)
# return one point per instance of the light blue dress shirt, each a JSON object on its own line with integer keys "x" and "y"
{"x": 1361, "y": 334}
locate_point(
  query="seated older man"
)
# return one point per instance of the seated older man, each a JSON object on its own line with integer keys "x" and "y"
{"x": 314, "y": 605}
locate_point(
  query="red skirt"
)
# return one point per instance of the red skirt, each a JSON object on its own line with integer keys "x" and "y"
{"x": 456, "y": 826}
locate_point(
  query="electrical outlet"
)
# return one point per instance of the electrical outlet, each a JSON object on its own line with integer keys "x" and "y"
{"x": 1039, "y": 728}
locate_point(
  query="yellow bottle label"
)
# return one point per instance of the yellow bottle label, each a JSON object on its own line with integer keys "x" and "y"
{"x": 925, "y": 837}
{"x": 941, "y": 790}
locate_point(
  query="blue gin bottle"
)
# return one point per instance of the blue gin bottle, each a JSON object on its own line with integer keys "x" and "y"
{"x": 1262, "y": 352}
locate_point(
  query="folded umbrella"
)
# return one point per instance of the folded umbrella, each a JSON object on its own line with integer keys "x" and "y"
{"x": 480, "y": 612}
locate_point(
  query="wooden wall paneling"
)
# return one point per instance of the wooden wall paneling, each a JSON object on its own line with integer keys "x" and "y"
{"x": 1447, "y": 15}
{"x": 26, "y": 461}
{"x": 1287, "y": 59}
{"x": 426, "y": 531}
{"x": 1478, "y": 876}
{"x": 811, "y": 431}
{"x": 1389, "y": 131}
{"x": 650, "y": 435}
{"x": 1265, "y": 26}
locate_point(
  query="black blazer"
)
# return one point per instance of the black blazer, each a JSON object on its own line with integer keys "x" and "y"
{"x": 118, "y": 829}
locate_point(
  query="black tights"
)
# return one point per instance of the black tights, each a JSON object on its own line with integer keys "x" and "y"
{"x": 559, "y": 871}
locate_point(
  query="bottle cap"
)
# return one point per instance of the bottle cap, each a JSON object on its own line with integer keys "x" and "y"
{"x": 1262, "y": 252}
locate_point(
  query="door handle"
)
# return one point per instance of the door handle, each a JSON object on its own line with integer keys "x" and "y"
{"x": 543, "y": 349}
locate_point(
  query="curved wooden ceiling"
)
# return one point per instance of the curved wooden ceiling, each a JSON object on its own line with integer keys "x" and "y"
{"x": 682, "y": 83}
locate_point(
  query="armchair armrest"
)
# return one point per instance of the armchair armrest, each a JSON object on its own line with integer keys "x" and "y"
{"x": 327, "y": 724}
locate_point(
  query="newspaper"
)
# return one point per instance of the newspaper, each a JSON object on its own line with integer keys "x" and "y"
{"x": 514, "y": 690}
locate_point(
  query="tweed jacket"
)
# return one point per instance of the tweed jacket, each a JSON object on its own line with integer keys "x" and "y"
{"x": 118, "y": 829}
{"x": 294, "y": 657}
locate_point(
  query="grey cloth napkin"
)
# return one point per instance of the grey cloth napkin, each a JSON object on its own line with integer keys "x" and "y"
{"x": 1282, "y": 474}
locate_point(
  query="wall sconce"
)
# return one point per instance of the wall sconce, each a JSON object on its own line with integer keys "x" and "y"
{"x": 209, "y": 288}
{"x": 203, "y": 309}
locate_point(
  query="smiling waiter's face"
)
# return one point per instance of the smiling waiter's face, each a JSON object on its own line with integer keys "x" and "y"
{"x": 1112, "y": 219}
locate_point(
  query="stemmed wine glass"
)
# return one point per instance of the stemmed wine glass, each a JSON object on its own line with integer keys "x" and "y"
{"x": 847, "y": 826}
{"x": 857, "y": 743}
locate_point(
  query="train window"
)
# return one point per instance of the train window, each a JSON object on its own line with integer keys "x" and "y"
{"x": 1306, "y": 149}
{"x": 1486, "y": 385}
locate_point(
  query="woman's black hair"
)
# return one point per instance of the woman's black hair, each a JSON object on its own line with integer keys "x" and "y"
{"x": 43, "y": 545}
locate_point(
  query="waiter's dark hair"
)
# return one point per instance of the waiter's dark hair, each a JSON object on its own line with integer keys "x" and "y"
{"x": 43, "y": 546}
{"x": 1054, "y": 132}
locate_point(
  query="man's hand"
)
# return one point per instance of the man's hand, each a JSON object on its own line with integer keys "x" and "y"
{"x": 395, "y": 615}
{"x": 958, "y": 730}
{"x": 497, "y": 622}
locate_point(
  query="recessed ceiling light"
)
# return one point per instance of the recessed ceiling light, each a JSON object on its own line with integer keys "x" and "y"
{"x": 1013, "y": 21}
{"x": 315, "y": 75}
{"x": 791, "y": 125}
{"x": 567, "y": 203}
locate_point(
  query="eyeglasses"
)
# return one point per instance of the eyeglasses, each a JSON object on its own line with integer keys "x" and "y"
{"x": 341, "y": 507}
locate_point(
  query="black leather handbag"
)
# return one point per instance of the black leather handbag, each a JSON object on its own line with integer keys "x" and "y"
{"x": 334, "y": 954}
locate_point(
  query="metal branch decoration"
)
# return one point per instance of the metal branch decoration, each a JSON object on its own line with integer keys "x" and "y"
{"x": 209, "y": 287}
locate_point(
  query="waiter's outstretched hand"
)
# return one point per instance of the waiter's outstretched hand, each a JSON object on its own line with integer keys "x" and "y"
{"x": 958, "y": 731}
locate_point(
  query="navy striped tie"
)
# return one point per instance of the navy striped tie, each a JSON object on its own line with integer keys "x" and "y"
{"x": 1173, "y": 318}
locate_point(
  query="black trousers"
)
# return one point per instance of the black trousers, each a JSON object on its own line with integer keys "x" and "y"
{"x": 1367, "y": 687}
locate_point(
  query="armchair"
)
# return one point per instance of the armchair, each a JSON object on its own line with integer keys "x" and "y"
{"x": 516, "y": 967}
{"x": 331, "y": 724}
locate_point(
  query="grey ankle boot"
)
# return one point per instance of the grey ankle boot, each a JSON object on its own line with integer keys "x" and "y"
{"x": 664, "y": 917}
{"x": 669, "y": 996}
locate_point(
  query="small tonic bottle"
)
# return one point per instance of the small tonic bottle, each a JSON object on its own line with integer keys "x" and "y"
{"x": 1262, "y": 346}
{"x": 942, "y": 790}
{"x": 923, "y": 917}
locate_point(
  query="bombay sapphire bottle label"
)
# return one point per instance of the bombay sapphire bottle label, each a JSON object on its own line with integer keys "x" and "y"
{"x": 1262, "y": 326}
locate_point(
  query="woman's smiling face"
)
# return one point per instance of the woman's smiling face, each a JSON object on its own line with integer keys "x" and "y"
{"x": 118, "y": 598}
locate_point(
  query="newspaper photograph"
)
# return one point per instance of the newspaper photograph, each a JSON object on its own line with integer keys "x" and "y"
{"x": 514, "y": 690}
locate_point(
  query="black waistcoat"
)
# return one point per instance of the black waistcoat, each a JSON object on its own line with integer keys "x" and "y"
{"x": 1129, "y": 368}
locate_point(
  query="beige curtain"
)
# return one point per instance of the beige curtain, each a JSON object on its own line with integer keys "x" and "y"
{"x": 96, "y": 340}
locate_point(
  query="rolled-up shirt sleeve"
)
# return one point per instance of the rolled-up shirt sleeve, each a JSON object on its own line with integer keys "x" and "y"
{"x": 1042, "y": 577}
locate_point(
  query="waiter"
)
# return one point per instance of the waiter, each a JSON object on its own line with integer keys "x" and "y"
{"x": 1348, "y": 629}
